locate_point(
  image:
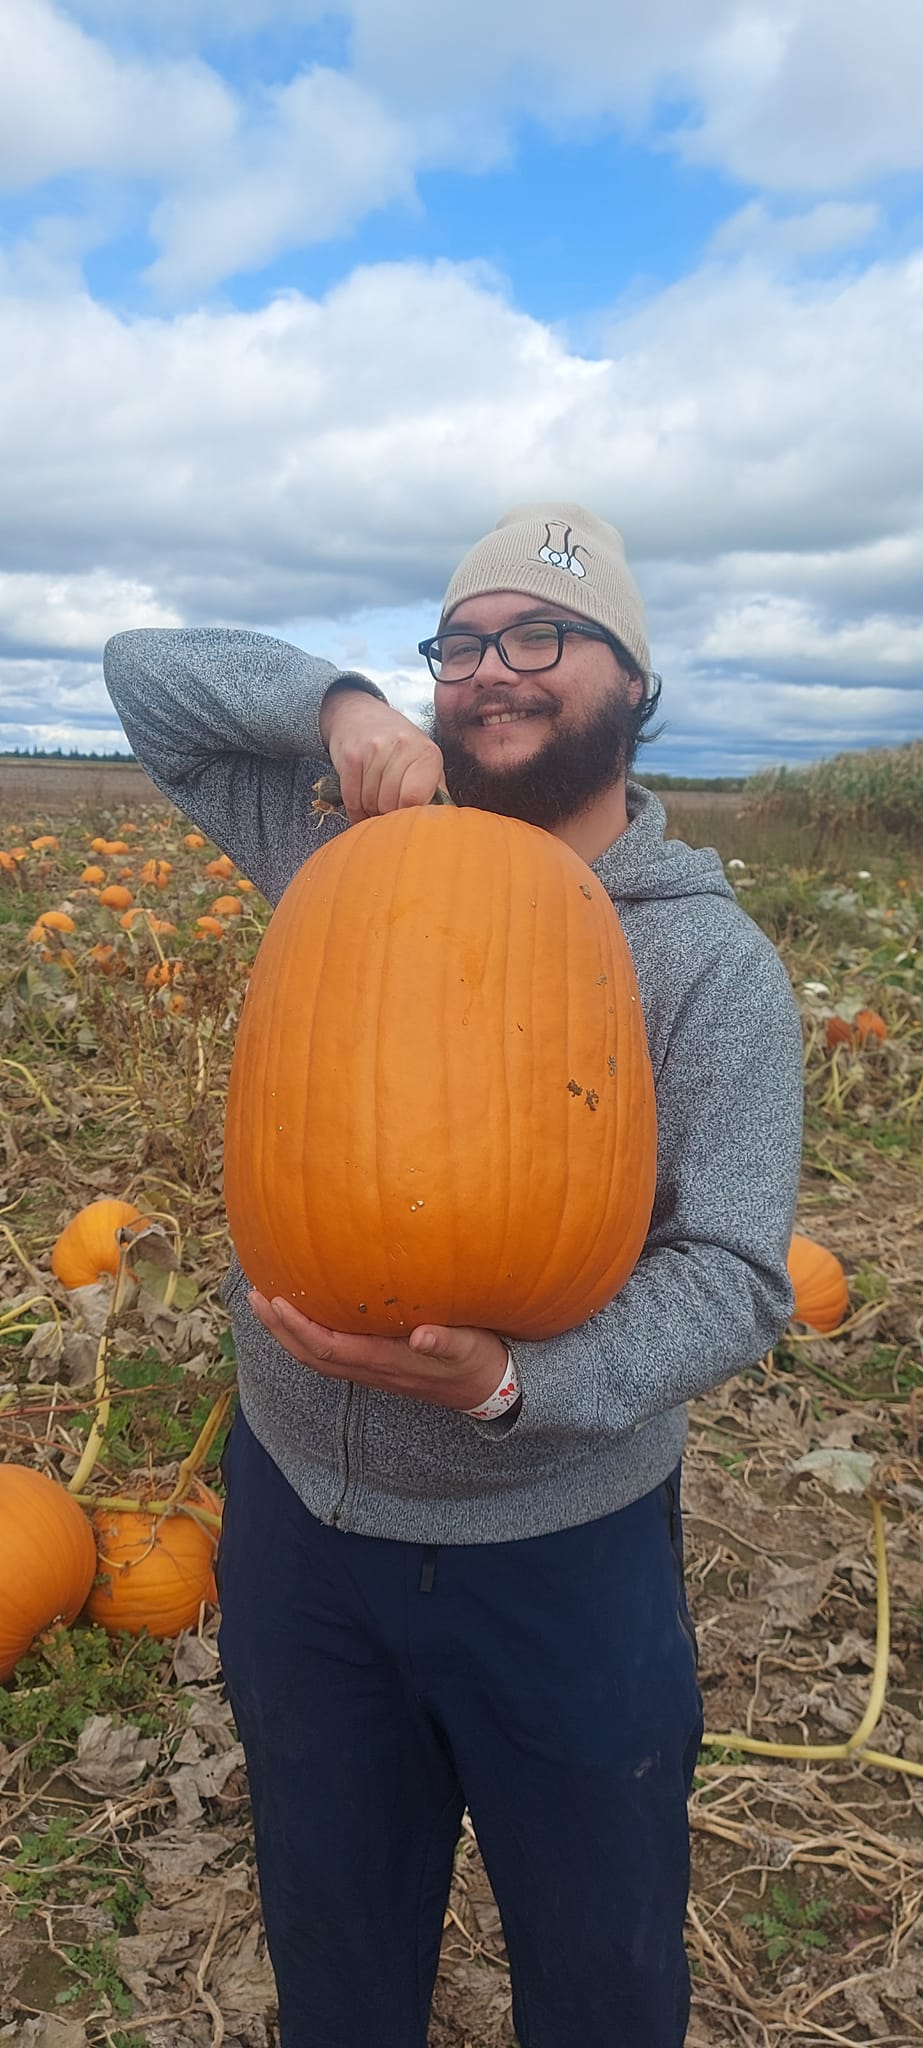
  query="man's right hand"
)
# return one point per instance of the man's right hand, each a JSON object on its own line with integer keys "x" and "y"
{"x": 383, "y": 760}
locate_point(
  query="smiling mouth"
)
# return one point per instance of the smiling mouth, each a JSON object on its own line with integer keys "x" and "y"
{"x": 492, "y": 718}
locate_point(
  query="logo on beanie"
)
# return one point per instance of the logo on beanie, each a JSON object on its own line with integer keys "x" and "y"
{"x": 563, "y": 557}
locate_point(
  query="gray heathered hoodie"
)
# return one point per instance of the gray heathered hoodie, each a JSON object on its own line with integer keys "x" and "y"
{"x": 226, "y": 723}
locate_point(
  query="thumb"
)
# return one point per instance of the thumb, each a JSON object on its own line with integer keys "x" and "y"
{"x": 436, "y": 1342}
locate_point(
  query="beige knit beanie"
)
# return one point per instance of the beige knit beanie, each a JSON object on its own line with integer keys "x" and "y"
{"x": 565, "y": 555}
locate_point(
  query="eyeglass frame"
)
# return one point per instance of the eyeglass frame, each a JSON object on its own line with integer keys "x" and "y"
{"x": 561, "y": 626}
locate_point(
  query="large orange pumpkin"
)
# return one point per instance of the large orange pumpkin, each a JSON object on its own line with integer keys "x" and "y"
{"x": 441, "y": 1105}
{"x": 88, "y": 1246}
{"x": 47, "y": 1559}
{"x": 821, "y": 1294}
{"x": 153, "y": 1572}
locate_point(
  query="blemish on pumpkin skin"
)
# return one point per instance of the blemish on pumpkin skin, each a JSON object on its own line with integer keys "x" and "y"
{"x": 586, "y": 891}
{"x": 612, "y": 1063}
{"x": 592, "y": 1099}
{"x": 574, "y": 1088}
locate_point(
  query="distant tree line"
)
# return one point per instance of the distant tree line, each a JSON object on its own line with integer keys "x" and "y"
{"x": 713, "y": 782}
{"x": 61, "y": 754}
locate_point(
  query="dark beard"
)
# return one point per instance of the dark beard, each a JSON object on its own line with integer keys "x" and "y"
{"x": 558, "y": 783}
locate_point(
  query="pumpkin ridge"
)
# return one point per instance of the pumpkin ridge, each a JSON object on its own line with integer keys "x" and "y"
{"x": 560, "y": 1137}
{"x": 629, "y": 1044}
{"x": 631, "y": 1053}
{"x": 458, "y": 1141}
{"x": 295, "y": 1110}
{"x": 503, "y": 1234}
{"x": 388, "y": 1225}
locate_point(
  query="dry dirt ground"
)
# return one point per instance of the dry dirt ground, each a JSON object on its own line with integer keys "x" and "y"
{"x": 53, "y": 783}
{"x": 49, "y": 784}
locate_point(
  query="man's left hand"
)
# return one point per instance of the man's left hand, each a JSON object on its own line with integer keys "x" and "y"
{"x": 455, "y": 1368}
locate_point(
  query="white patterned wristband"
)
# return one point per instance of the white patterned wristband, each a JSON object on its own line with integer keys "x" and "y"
{"x": 504, "y": 1398}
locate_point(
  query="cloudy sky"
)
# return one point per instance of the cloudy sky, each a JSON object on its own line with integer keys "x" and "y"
{"x": 296, "y": 299}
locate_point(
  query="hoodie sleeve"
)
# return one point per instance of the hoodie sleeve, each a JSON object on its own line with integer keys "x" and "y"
{"x": 710, "y": 1293}
{"x": 226, "y": 724}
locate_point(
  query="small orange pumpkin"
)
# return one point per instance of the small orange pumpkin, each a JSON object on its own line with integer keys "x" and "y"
{"x": 116, "y": 897}
{"x": 870, "y": 1025}
{"x": 821, "y": 1293}
{"x": 49, "y": 1559}
{"x": 52, "y": 921}
{"x": 153, "y": 1571}
{"x": 88, "y": 1247}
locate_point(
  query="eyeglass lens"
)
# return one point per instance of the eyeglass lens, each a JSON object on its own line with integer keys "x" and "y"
{"x": 456, "y": 656}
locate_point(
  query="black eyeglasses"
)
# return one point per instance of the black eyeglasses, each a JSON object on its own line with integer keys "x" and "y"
{"x": 454, "y": 657}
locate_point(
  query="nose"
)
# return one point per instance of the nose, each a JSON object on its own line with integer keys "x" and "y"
{"x": 492, "y": 670}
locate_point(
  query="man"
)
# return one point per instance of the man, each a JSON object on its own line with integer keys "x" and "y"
{"x": 450, "y": 1571}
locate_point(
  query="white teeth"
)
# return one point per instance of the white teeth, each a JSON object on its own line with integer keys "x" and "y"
{"x": 505, "y": 717}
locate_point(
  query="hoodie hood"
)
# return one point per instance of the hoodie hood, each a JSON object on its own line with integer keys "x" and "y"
{"x": 642, "y": 865}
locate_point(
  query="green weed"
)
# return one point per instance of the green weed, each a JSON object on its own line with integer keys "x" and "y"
{"x": 70, "y": 1674}
{"x": 95, "y": 1964}
{"x": 792, "y": 1924}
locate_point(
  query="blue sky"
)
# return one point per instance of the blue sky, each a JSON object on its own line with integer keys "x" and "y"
{"x": 296, "y": 300}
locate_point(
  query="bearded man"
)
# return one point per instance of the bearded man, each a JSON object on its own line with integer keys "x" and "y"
{"x": 451, "y": 1569}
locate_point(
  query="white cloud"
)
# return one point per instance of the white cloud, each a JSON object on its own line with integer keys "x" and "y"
{"x": 324, "y": 154}
{"x": 318, "y": 467}
{"x": 55, "y": 703}
{"x": 755, "y": 231}
{"x": 74, "y": 613}
{"x": 815, "y": 97}
{"x": 69, "y": 104}
{"x": 818, "y": 94}
{"x": 785, "y": 631}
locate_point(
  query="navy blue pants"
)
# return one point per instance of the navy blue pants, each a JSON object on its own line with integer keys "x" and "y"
{"x": 379, "y": 1687}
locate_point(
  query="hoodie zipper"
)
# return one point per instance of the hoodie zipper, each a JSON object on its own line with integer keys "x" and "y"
{"x": 351, "y": 1391}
